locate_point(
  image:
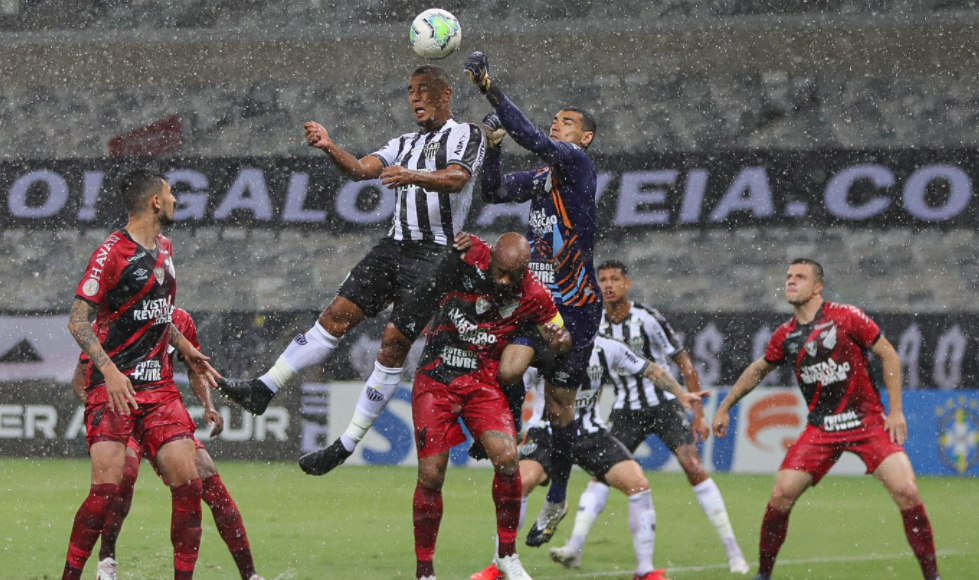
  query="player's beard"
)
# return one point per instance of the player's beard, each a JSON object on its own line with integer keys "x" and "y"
{"x": 166, "y": 220}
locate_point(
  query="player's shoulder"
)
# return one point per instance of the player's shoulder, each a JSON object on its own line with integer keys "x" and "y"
{"x": 181, "y": 317}
{"x": 610, "y": 344}
{"x": 783, "y": 330}
{"x": 534, "y": 289}
{"x": 838, "y": 310}
{"x": 646, "y": 312}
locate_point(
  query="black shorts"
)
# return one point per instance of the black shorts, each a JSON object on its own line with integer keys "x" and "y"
{"x": 405, "y": 273}
{"x": 596, "y": 453}
{"x": 668, "y": 420}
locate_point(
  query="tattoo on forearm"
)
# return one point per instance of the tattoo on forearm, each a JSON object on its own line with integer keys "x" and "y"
{"x": 175, "y": 337}
{"x": 81, "y": 328}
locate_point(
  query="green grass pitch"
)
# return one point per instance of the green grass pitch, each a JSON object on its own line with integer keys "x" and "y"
{"x": 356, "y": 524}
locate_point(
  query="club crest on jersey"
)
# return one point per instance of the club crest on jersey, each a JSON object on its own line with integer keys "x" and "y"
{"x": 159, "y": 274}
{"x": 431, "y": 150}
{"x": 811, "y": 348}
{"x": 508, "y": 309}
{"x": 595, "y": 373}
{"x": 482, "y": 305}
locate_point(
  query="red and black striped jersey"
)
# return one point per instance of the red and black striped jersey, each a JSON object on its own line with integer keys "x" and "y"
{"x": 829, "y": 356}
{"x": 473, "y": 325}
{"x": 132, "y": 289}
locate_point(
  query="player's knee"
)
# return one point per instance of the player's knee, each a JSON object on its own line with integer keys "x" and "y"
{"x": 509, "y": 374}
{"x": 339, "y": 317}
{"x": 692, "y": 465}
{"x": 634, "y": 485}
{"x": 906, "y": 494}
{"x": 506, "y": 463}
{"x": 431, "y": 477}
{"x": 783, "y": 497}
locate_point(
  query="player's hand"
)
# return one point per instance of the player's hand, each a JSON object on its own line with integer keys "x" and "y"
{"x": 557, "y": 337}
{"x": 316, "y": 136}
{"x": 462, "y": 242}
{"x": 493, "y": 129}
{"x": 215, "y": 420}
{"x": 897, "y": 427}
{"x": 120, "y": 389}
{"x": 721, "y": 421}
{"x": 690, "y": 400}
{"x": 477, "y": 67}
{"x": 395, "y": 176}
{"x": 701, "y": 429}
{"x": 197, "y": 362}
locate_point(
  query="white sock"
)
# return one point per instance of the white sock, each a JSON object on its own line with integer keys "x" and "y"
{"x": 304, "y": 350}
{"x": 642, "y": 524}
{"x": 523, "y": 514}
{"x": 378, "y": 390}
{"x": 590, "y": 505}
{"x": 710, "y": 500}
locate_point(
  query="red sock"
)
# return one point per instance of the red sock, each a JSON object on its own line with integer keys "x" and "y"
{"x": 85, "y": 531}
{"x": 506, "y": 496}
{"x": 918, "y": 529}
{"x": 185, "y": 527}
{"x": 427, "y": 512}
{"x": 228, "y": 520}
{"x": 774, "y": 526}
{"x": 119, "y": 509}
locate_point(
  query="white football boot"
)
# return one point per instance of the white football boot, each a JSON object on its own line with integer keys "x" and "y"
{"x": 511, "y": 568}
{"x": 106, "y": 570}
{"x": 566, "y": 556}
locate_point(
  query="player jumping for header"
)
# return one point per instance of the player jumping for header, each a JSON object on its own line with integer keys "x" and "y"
{"x": 431, "y": 172}
{"x": 561, "y": 232}
{"x": 826, "y": 343}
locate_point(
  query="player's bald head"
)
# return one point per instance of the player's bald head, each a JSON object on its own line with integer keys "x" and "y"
{"x": 511, "y": 252}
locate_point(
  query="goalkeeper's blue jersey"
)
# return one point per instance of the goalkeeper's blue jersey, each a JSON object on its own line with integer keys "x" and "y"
{"x": 563, "y": 218}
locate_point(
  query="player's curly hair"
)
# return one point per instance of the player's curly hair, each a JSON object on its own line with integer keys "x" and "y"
{"x": 817, "y": 268}
{"x": 136, "y": 186}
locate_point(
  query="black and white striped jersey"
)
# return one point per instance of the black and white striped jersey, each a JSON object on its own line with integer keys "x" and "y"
{"x": 434, "y": 216}
{"x": 609, "y": 359}
{"x": 649, "y": 335}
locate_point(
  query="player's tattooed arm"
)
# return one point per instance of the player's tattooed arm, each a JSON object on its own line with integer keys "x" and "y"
{"x": 749, "y": 379}
{"x": 121, "y": 393}
{"x": 665, "y": 381}
{"x": 80, "y": 326}
{"x": 356, "y": 169}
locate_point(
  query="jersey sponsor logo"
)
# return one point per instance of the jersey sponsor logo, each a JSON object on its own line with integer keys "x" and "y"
{"x": 90, "y": 287}
{"x": 827, "y": 372}
{"x": 137, "y": 256}
{"x": 842, "y": 422}
{"x": 101, "y": 255}
{"x": 543, "y": 271}
{"x": 468, "y": 330}
{"x": 147, "y": 371}
{"x": 958, "y": 434}
{"x": 585, "y": 399}
{"x": 160, "y": 310}
{"x": 541, "y": 223}
{"x": 459, "y": 358}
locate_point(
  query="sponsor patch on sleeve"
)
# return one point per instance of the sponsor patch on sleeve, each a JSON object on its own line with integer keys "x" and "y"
{"x": 90, "y": 287}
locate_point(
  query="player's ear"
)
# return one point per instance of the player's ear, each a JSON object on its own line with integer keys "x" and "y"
{"x": 586, "y": 138}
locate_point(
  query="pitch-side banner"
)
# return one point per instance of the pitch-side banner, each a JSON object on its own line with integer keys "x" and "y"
{"x": 944, "y": 432}
{"x": 921, "y": 188}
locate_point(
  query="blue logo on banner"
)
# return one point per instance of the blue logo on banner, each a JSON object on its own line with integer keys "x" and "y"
{"x": 958, "y": 434}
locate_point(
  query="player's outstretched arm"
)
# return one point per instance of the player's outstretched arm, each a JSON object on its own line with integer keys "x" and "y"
{"x": 665, "y": 381}
{"x": 749, "y": 379}
{"x": 452, "y": 179}
{"x": 515, "y": 187}
{"x": 369, "y": 167}
{"x": 517, "y": 125}
{"x": 120, "y": 390}
{"x": 895, "y": 424}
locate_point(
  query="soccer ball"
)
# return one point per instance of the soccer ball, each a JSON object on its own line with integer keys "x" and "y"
{"x": 435, "y": 33}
